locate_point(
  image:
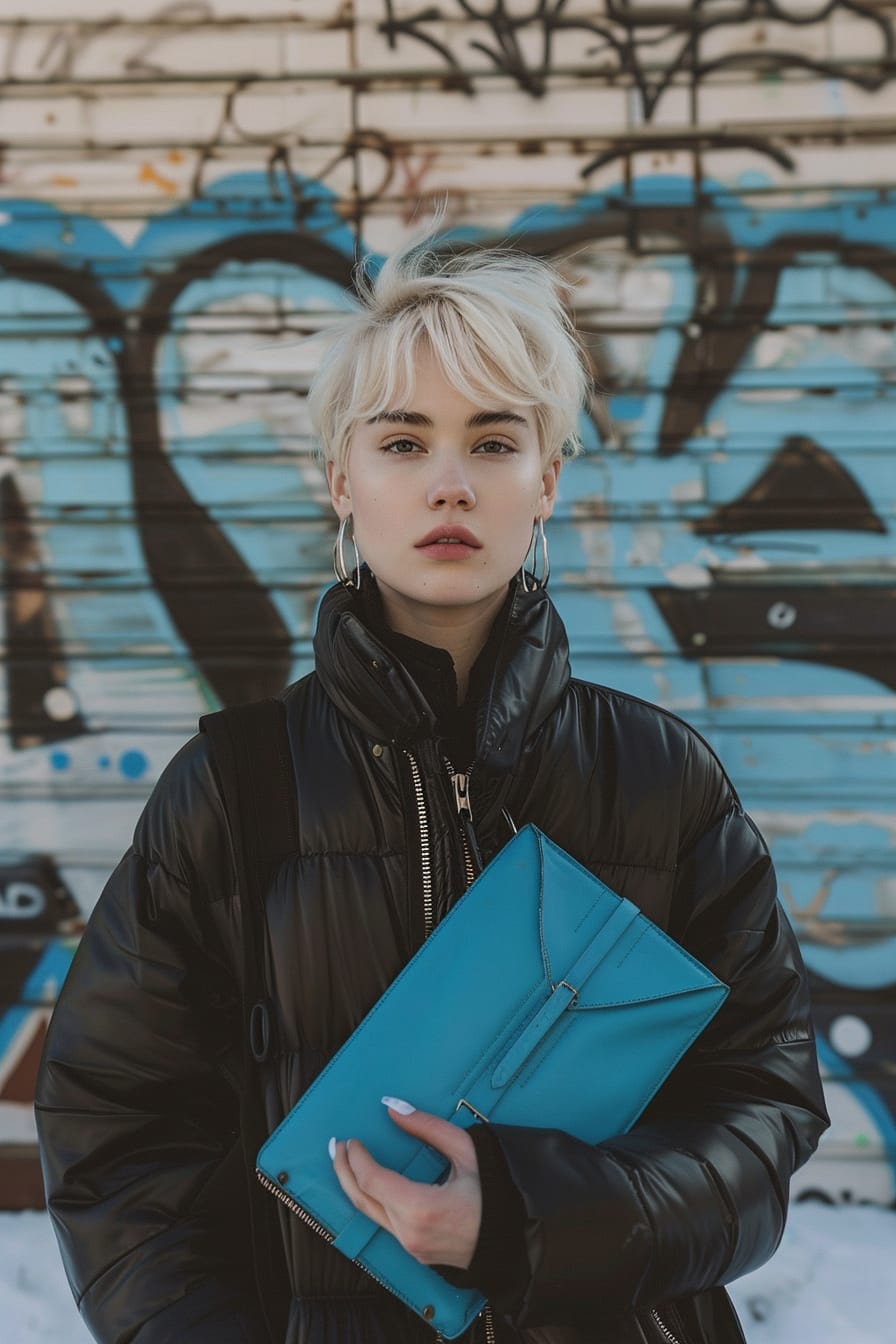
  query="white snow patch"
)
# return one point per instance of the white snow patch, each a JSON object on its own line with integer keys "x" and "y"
{"x": 831, "y": 1282}
{"x": 35, "y": 1302}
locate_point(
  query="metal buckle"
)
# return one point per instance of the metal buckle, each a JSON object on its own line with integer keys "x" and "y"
{"x": 479, "y": 1116}
{"x": 572, "y": 989}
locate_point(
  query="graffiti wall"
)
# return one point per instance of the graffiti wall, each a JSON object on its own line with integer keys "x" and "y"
{"x": 183, "y": 192}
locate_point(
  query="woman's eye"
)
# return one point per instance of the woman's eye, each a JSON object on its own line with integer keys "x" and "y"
{"x": 400, "y": 447}
{"x": 495, "y": 447}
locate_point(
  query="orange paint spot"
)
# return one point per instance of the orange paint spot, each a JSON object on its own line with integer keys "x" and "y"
{"x": 149, "y": 174}
{"x": 61, "y": 181}
{"x": 175, "y": 156}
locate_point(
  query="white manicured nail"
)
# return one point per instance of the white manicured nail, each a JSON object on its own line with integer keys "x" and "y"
{"x": 331, "y": 1149}
{"x": 396, "y": 1104}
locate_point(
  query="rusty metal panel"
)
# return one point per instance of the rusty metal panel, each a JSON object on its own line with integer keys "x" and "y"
{"x": 183, "y": 190}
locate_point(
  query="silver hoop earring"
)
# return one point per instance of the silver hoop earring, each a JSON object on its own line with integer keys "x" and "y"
{"x": 538, "y": 534}
{"x": 343, "y": 574}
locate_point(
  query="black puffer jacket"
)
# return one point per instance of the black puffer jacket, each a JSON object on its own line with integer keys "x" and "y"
{"x": 137, "y": 1107}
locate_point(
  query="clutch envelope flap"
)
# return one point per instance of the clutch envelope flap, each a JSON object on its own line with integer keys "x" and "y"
{"x": 644, "y": 963}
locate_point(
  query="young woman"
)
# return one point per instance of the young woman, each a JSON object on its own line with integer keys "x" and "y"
{"x": 444, "y": 407}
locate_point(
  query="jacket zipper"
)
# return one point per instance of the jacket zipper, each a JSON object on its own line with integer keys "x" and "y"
{"x": 425, "y": 861}
{"x": 306, "y": 1218}
{"x": 666, "y": 1332}
{"x": 472, "y": 864}
{"x": 293, "y": 1207}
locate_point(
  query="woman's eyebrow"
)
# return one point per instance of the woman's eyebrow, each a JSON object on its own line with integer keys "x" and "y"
{"x": 495, "y": 418}
{"x": 478, "y": 419}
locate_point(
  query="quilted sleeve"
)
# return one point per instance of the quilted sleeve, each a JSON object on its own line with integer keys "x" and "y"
{"x": 137, "y": 1111}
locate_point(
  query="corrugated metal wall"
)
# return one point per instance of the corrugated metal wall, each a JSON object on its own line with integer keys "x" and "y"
{"x": 182, "y": 190}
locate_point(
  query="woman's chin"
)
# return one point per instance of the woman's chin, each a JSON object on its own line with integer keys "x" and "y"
{"x": 440, "y": 590}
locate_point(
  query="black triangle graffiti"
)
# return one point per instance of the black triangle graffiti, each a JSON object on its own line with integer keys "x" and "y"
{"x": 803, "y": 488}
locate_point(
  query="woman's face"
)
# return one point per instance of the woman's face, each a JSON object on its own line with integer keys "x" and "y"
{"x": 443, "y": 500}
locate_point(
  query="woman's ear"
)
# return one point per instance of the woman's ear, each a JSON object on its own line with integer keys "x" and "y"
{"x": 340, "y": 493}
{"x": 548, "y": 497}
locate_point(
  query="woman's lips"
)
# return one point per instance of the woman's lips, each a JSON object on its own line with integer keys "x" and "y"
{"x": 447, "y": 550}
{"x": 448, "y": 542}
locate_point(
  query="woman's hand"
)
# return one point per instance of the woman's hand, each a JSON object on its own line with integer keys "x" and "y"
{"x": 436, "y": 1224}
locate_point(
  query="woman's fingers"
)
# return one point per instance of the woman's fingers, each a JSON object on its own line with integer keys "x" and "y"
{"x": 344, "y": 1165}
{"x": 395, "y": 1194}
{"x": 436, "y": 1224}
{"x": 446, "y": 1138}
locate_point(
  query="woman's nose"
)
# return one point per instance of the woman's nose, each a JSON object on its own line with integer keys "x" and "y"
{"x": 451, "y": 487}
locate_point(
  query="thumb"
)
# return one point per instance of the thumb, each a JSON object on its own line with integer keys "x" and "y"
{"x": 451, "y": 1140}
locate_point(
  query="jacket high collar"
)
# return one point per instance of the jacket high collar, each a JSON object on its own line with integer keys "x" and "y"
{"x": 372, "y": 688}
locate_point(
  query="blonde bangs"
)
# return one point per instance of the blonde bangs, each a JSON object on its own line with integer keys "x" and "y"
{"x": 495, "y": 322}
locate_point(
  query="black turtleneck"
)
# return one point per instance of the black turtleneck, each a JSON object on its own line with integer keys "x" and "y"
{"x": 500, "y": 1266}
{"x": 433, "y": 671}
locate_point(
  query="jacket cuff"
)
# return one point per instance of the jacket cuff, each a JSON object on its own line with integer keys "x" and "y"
{"x": 500, "y": 1265}
{"x": 588, "y": 1236}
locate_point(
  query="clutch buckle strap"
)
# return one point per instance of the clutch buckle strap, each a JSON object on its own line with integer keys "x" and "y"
{"x": 470, "y": 1107}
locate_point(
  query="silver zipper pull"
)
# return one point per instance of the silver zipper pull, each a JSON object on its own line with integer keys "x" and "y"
{"x": 465, "y": 813}
{"x": 462, "y": 795}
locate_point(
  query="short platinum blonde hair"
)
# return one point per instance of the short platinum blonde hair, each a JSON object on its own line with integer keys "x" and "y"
{"x": 496, "y": 322}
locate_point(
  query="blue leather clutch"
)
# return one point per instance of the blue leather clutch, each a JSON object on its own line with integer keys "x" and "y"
{"x": 541, "y": 999}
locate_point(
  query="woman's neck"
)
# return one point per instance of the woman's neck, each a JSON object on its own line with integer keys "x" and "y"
{"x": 463, "y": 637}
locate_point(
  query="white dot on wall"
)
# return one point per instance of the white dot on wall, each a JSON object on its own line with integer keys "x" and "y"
{"x": 781, "y": 616}
{"x": 850, "y": 1036}
{"x": 60, "y": 704}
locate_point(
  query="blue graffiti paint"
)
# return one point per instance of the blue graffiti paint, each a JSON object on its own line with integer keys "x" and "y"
{"x": 45, "y": 980}
{"x": 880, "y": 1114}
{"x": 627, "y": 408}
{"x": 237, "y": 206}
{"x": 60, "y": 760}
{"x": 133, "y": 764}
{"x": 11, "y": 1023}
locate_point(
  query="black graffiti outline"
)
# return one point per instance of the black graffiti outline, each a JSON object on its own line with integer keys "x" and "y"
{"x": 70, "y": 38}
{"x": 190, "y": 15}
{"x": 695, "y": 142}
{"x": 241, "y": 648}
{"x": 627, "y": 33}
{"x": 733, "y": 297}
{"x": 393, "y": 27}
{"x": 734, "y": 327}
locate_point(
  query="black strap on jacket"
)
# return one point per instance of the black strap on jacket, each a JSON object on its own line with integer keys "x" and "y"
{"x": 251, "y": 757}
